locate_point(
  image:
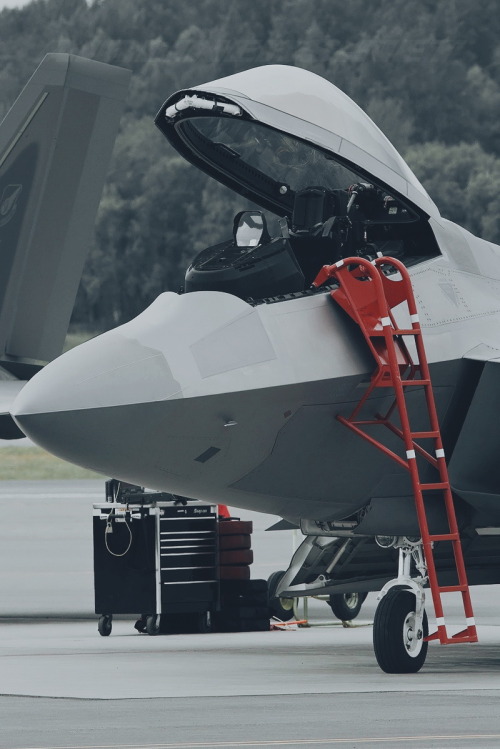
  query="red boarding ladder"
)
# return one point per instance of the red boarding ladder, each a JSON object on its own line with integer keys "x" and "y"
{"x": 369, "y": 296}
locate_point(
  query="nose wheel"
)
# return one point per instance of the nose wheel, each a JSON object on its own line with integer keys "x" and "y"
{"x": 398, "y": 635}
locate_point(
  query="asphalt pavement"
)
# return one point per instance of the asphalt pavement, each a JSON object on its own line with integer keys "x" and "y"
{"x": 62, "y": 685}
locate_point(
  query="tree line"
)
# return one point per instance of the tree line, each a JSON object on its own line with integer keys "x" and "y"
{"x": 428, "y": 73}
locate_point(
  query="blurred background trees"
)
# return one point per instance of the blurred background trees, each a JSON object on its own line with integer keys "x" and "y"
{"x": 428, "y": 73}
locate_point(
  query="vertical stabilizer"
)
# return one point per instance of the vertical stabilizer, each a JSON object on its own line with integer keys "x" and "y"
{"x": 55, "y": 145}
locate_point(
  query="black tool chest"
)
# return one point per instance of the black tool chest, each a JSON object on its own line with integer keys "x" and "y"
{"x": 155, "y": 558}
{"x": 175, "y": 564}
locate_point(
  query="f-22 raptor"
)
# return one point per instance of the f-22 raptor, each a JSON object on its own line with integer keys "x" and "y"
{"x": 231, "y": 391}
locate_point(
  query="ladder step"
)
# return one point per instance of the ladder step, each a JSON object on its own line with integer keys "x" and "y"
{"x": 453, "y": 588}
{"x": 387, "y": 381}
{"x": 408, "y": 383}
{"x": 445, "y": 537}
{"x": 423, "y": 435}
{"x": 437, "y": 485}
{"x": 394, "y": 331}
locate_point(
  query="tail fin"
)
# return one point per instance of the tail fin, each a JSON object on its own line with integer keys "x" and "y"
{"x": 55, "y": 145}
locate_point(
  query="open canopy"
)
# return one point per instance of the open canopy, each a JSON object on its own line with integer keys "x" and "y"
{"x": 271, "y": 131}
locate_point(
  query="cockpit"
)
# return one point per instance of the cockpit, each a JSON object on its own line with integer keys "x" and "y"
{"x": 326, "y": 207}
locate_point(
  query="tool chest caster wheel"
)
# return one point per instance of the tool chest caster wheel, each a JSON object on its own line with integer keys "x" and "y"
{"x": 140, "y": 624}
{"x": 105, "y": 625}
{"x": 153, "y": 624}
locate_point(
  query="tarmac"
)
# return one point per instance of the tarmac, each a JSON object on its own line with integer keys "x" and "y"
{"x": 62, "y": 685}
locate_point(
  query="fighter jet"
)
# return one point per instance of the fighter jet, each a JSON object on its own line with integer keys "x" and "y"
{"x": 230, "y": 391}
{"x": 55, "y": 145}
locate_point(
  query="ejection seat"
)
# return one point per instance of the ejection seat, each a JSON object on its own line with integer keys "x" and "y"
{"x": 318, "y": 229}
{"x": 251, "y": 265}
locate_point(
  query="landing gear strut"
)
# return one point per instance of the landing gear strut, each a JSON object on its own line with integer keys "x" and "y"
{"x": 400, "y": 624}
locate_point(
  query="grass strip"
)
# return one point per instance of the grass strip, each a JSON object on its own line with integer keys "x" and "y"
{"x": 25, "y": 463}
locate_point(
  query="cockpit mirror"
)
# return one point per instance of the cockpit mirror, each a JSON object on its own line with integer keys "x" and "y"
{"x": 250, "y": 229}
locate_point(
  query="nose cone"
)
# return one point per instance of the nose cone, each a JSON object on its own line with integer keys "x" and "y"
{"x": 81, "y": 406}
{"x": 106, "y": 404}
{"x": 91, "y": 405}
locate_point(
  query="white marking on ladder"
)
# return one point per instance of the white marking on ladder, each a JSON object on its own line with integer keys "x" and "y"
{"x": 339, "y": 264}
{"x": 380, "y": 254}
{"x": 440, "y": 453}
{"x": 410, "y": 454}
{"x": 386, "y": 321}
{"x": 440, "y": 621}
{"x": 470, "y": 621}
{"x": 414, "y": 318}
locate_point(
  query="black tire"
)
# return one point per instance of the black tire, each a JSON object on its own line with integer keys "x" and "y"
{"x": 181, "y": 624}
{"x": 346, "y": 606}
{"x": 281, "y": 608}
{"x": 398, "y": 649}
{"x": 246, "y": 612}
{"x": 153, "y": 625}
{"x": 243, "y": 593}
{"x": 105, "y": 625}
{"x": 242, "y": 625}
{"x": 171, "y": 624}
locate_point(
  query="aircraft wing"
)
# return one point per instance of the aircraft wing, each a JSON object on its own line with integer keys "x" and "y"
{"x": 473, "y": 466}
{"x": 55, "y": 145}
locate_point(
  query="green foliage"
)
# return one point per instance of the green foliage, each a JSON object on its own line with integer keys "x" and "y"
{"x": 464, "y": 180}
{"x": 428, "y": 73}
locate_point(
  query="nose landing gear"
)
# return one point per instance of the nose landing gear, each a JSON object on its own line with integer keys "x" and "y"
{"x": 400, "y": 624}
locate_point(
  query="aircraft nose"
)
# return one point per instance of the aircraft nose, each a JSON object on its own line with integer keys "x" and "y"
{"x": 117, "y": 396}
{"x": 77, "y": 405}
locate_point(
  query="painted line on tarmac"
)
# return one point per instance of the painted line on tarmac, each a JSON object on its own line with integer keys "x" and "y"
{"x": 278, "y": 742}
